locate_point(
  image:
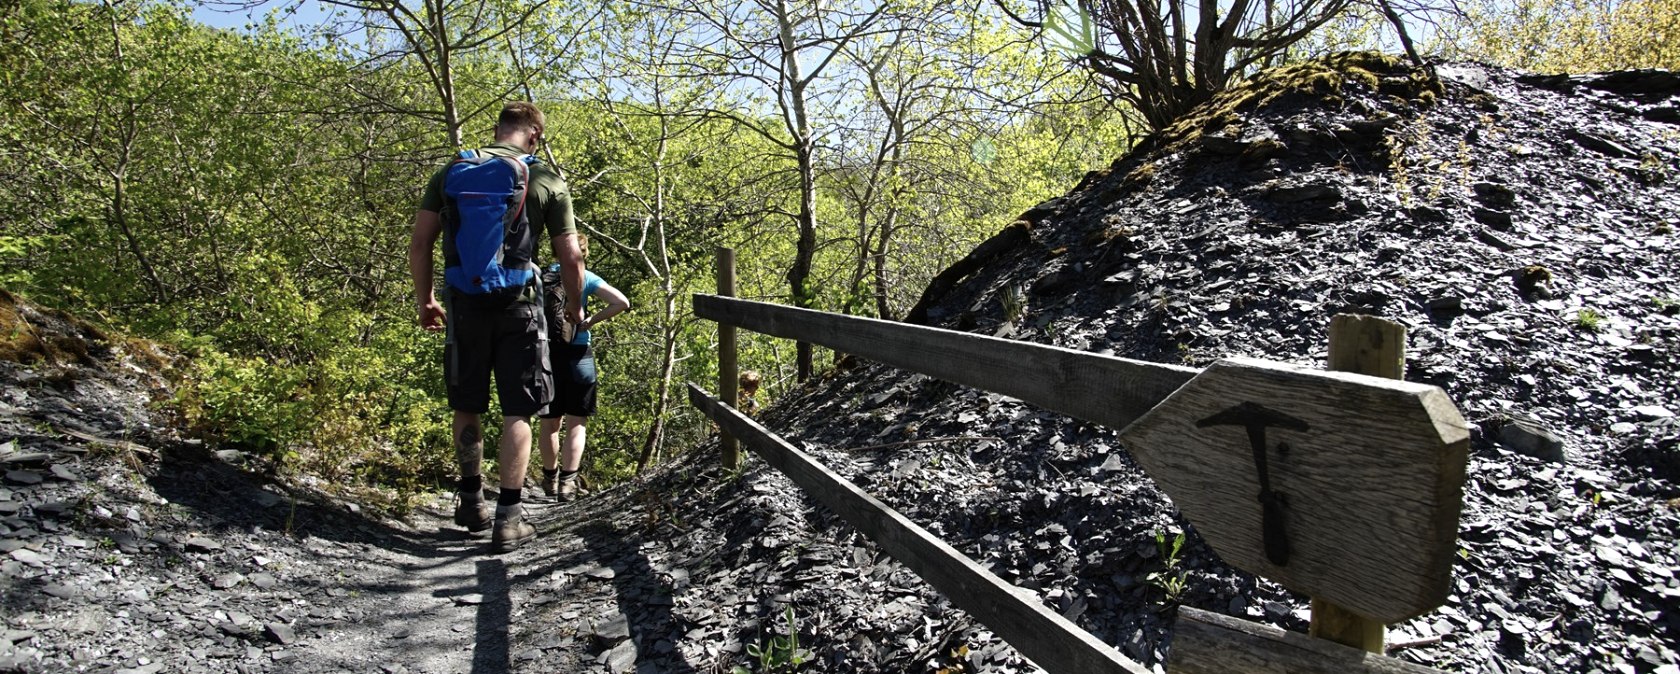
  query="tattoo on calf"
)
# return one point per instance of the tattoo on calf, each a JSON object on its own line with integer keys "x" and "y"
{"x": 468, "y": 452}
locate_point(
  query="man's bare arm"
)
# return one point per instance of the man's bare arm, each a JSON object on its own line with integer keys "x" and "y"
{"x": 570, "y": 256}
{"x": 427, "y": 227}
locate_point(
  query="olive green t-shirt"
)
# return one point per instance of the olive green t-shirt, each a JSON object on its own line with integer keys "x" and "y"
{"x": 548, "y": 204}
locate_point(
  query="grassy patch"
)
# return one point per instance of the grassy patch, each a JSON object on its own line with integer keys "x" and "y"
{"x": 1588, "y": 320}
{"x": 26, "y": 338}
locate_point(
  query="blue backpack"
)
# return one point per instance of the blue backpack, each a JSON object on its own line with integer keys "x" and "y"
{"x": 488, "y": 242}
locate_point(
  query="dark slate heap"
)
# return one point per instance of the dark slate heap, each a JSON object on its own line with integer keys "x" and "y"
{"x": 1521, "y": 227}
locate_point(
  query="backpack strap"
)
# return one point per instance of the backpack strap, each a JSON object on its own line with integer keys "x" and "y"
{"x": 521, "y": 169}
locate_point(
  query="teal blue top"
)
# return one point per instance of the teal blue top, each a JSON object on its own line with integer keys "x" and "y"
{"x": 591, "y": 284}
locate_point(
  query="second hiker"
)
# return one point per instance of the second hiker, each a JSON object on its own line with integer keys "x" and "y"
{"x": 574, "y": 382}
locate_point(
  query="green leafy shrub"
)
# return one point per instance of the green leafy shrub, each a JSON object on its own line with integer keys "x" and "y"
{"x": 780, "y": 653}
{"x": 1170, "y": 579}
{"x": 1589, "y": 320}
{"x": 250, "y": 402}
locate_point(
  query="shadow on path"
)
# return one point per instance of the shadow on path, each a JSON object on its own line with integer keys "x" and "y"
{"x": 491, "y": 652}
{"x": 644, "y": 597}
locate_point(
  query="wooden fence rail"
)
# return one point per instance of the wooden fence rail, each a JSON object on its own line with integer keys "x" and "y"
{"x": 1341, "y": 486}
{"x": 1360, "y": 495}
{"x": 1041, "y": 635}
{"x": 1210, "y": 643}
{"x": 1105, "y": 390}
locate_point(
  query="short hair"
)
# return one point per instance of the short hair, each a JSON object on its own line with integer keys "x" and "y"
{"x": 520, "y": 114}
{"x": 583, "y": 245}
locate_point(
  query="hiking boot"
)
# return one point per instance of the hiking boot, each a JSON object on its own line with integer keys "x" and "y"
{"x": 511, "y": 529}
{"x": 569, "y": 487}
{"x": 550, "y": 484}
{"x": 472, "y": 512}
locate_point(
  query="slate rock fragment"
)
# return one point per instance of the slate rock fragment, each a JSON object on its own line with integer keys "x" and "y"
{"x": 23, "y": 477}
{"x": 280, "y": 633}
{"x": 1528, "y": 436}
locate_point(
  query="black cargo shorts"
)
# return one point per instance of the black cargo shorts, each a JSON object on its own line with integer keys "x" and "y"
{"x": 507, "y": 337}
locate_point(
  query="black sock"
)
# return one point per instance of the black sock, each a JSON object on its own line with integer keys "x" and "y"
{"x": 567, "y": 474}
{"x": 508, "y": 497}
{"x": 550, "y": 472}
{"x": 471, "y": 484}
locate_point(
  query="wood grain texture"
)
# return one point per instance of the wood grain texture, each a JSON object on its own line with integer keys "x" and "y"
{"x": 1345, "y": 627}
{"x": 1373, "y": 346}
{"x": 729, "y": 449}
{"x": 1373, "y": 488}
{"x": 1367, "y": 345}
{"x": 1049, "y": 640}
{"x": 1210, "y": 643}
{"x": 1093, "y": 387}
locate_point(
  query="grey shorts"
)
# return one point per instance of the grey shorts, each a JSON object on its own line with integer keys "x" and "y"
{"x": 507, "y": 339}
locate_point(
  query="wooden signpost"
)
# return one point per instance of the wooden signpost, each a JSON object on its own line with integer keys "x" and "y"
{"x": 1373, "y": 346}
{"x": 1321, "y": 481}
{"x": 1341, "y": 486}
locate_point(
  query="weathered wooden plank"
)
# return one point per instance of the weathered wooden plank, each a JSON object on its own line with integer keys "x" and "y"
{"x": 1367, "y": 345}
{"x": 1102, "y": 389}
{"x": 1362, "y": 479}
{"x": 1210, "y": 643}
{"x": 1365, "y": 476}
{"x": 728, "y": 371}
{"x": 1049, "y": 640}
{"x": 1373, "y": 346}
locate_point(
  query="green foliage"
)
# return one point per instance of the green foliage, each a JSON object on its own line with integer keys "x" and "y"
{"x": 245, "y": 196}
{"x": 779, "y": 653}
{"x": 1589, "y": 320}
{"x": 245, "y": 401}
{"x": 1069, "y": 29}
{"x": 1569, "y": 35}
{"x": 1170, "y": 579}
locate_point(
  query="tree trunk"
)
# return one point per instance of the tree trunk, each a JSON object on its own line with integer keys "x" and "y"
{"x": 670, "y": 329}
{"x": 882, "y": 287}
{"x": 119, "y": 215}
{"x": 446, "y": 76}
{"x": 662, "y": 396}
{"x": 805, "y": 252}
{"x": 800, "y": 273}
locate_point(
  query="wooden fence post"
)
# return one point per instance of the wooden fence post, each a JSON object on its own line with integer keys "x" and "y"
{"x": 1372, "y": 346}
{"x": 728, "y": 376}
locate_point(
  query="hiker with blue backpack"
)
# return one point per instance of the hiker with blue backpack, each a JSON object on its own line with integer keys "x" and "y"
{"x": 574, "y": 381}
{"x": 491, "y": 207}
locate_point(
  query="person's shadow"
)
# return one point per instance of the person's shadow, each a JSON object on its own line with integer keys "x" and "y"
{"x": 491, "y": 651}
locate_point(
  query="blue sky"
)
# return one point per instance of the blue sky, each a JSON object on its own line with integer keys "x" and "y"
{"x": 217, "y": 14}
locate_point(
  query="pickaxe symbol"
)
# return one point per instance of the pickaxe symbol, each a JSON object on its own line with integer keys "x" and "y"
{"x": 1256, "y": 418}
